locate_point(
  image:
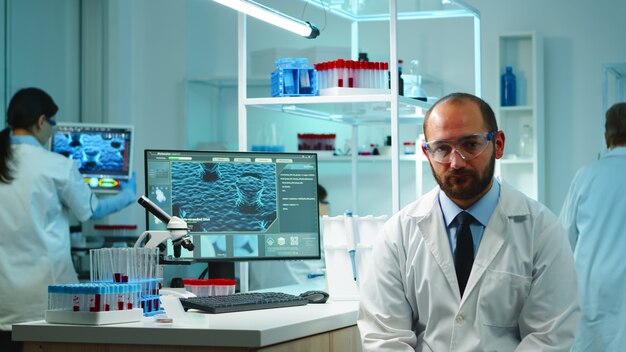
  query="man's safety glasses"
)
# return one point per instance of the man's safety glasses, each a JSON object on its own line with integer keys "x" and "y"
{"x": 467, "y": 147}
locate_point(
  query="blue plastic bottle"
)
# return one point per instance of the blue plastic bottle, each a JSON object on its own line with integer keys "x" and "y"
{"x": 507, "y": 86}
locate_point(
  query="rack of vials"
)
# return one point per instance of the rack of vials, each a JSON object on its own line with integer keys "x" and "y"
{"x": 357, "y": 75}
{"x": 124, "y": 287}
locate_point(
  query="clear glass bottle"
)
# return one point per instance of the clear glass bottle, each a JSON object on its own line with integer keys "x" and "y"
{"x": 526, "y": 142}
{"x": 415, "y": 85}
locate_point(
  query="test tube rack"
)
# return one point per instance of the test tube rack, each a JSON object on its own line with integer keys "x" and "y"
{"x": 131, "y": 266}
{"x": 94, "y": 303}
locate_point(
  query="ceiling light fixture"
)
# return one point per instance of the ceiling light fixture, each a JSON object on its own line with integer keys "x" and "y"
{"x": 271, "y": 16}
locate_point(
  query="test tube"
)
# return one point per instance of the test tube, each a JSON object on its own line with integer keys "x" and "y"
{"x": 334, "y": 74}
{"x": 75, "y": 298}
{"x": 52, "y": 296}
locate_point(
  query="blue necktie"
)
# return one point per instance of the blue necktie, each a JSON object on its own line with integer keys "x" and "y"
{"x": 464, "y": 255}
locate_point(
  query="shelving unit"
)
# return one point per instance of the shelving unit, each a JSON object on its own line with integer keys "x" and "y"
{"x": 358, "y": 110}
{"x": 524, "y": 171}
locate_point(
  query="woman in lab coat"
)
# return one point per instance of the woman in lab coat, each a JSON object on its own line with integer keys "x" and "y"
{"x": 38, "y": 190}
{"x": 521, "y": 293}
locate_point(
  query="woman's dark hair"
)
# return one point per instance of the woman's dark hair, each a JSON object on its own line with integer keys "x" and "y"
{"x": 24, "y": 109}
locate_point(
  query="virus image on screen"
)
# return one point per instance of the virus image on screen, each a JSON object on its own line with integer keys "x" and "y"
{"x": 239, "y": 197}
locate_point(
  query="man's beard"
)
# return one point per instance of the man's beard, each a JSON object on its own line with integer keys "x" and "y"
{"x": 476, "y": 185}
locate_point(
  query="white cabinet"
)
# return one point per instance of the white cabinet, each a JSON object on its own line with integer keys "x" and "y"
{"x": 388, "y": 109}
{"x": 523, "y": 124}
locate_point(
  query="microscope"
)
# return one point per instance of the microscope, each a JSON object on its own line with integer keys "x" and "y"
{"x": 177, "y": 230}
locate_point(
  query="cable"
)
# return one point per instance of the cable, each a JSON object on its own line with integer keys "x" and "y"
{"x": 325, "y": 14}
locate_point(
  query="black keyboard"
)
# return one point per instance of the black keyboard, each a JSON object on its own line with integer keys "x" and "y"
{"x": 242, "y": 301}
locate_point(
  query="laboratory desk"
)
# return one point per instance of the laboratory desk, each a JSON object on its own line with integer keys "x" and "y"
{"x": 313, "y": 327}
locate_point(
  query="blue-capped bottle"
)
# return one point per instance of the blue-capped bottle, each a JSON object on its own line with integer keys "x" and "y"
{"x": 507, "y": 86}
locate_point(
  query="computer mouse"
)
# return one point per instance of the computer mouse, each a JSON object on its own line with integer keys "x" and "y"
{"x": 315, "y": 296}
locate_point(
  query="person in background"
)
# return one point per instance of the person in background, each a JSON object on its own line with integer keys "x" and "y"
{"x": 593, "y": 216}
{"x": 322, "y": 199}
{"x": 473, "y": 265}
{"x": 38, "y": 191}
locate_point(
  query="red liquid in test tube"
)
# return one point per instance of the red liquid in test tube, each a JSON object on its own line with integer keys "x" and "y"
{"x": 350, "y": 68}
{"x": 339, "y": 67}
{"x": 75, "y": 303}
{"x": 98, "y": 302}
{"x": 120, "y": 301}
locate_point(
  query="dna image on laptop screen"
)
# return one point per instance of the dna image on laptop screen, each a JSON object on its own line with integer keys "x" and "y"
{"x": 102, "y": 153}
{"x": 238, "y": 205}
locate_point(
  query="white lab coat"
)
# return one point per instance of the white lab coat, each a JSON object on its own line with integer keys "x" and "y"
{"x": 521, "y": 294}
{"x": 593, "y": 215}
{"x": 34, "y": 230}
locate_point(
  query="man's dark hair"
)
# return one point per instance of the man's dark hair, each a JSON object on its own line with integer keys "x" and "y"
{"x": 488, "y": 115}
{"x": 615, "y": 125}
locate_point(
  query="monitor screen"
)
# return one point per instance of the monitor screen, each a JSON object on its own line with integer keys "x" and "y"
{"x": 102, "y": 153}
{"x": 239, "y": 206}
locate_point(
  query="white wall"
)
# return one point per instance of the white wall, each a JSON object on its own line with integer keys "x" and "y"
{"x": 42, "y": 50}
{"x": 147, "y": 60}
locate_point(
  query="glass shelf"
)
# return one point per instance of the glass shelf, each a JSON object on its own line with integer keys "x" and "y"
{"x": 228, "y": 82}
{"x": 517, "y": 108}
{"x": 350, "y": 109}
{"x": 367, "y": 158}
{"x": 516, "y": 160}
{"x": 361, "y": 11}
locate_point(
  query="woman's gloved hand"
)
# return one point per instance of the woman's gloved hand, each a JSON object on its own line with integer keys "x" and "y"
{"x": 112, "y": 204}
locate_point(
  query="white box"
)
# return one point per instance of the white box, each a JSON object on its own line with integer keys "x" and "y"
{"x": 339, "y": 276}
{"x": 94, "y": 318}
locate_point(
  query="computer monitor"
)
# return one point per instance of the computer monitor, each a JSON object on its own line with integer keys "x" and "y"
{"x": 102, "y": 153}
{"x": 239, "y": 206}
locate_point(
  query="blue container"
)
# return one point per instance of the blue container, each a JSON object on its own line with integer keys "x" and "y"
{"x": 507, "y": 86}
{"x": 293, "y": 78}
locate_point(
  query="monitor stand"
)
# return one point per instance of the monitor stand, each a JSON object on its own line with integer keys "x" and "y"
{"x": 221, "y": 270}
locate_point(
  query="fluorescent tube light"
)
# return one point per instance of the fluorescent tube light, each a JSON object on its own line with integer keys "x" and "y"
{"x": 271, "y": 16}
